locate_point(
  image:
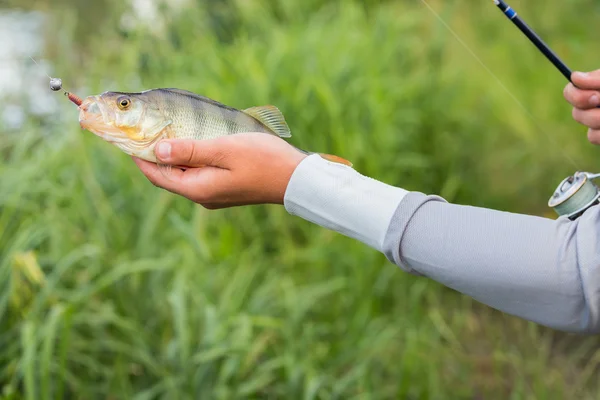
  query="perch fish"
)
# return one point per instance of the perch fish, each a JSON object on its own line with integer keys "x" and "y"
{"x": 136, "y": 122}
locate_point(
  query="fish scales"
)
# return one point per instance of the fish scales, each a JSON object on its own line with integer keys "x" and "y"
{"x": 196, "y": 118}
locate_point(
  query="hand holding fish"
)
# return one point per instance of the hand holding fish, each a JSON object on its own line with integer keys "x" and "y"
{"x": 584, "y": 95}
{"x": 243, "y": 169}
{"x": 231, "y": 157}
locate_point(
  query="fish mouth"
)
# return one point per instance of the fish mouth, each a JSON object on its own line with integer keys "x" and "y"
{"x": 96, "y": 117}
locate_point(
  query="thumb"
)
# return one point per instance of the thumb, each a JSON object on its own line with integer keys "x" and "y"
{"x": 586, "y": 80}
{"x": 192, "y": 153}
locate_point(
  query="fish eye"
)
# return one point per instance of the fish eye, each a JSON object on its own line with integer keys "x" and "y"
{"x": 123, "y": 102}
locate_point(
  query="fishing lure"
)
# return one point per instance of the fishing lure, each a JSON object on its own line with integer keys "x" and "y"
{"x": 56, "y": 85}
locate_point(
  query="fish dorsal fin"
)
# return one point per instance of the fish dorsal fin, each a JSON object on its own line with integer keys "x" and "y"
{"x": 272, "y": 118}
{"x": 185, "y": 93}
{"x": 198, "y": 97}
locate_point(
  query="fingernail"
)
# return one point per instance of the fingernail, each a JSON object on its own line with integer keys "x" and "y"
{"x": 163, "y": 150}
{"x": 595, "y": 100}
{"x": 581, "y": 74}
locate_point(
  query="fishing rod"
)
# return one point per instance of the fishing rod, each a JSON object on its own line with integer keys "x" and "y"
{"x": 576, "y": 193}
{"x": 534, "y": 38}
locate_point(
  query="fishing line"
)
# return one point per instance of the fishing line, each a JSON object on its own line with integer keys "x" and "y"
{"x": 521, "y": 105}
{"x": 36, "y": 63}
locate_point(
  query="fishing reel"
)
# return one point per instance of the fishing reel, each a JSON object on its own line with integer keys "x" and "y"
{"x": 575, "y": 194}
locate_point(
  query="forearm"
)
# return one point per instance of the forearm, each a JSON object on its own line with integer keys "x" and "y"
{"x": 536, "y": 268}
{"x": 338, "y": 198}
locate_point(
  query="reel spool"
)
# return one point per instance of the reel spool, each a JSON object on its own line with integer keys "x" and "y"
{"x": 575, "y": 194}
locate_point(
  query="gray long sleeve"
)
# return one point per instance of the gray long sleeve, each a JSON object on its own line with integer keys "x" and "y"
{"x": 542, "y": 270}
{"x": 539, "y": 269}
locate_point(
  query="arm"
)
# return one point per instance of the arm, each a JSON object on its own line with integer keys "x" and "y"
{"x": 539, "y": 269}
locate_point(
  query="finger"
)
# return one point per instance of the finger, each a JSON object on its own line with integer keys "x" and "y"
{"x": 159, "y": 179}
{"x": 220, "y": 206}
{"x": 594, "y": 136}
{"x": 584, "y": 99}
{"x": 194, "y": 153}
{"x": 586, "y": 80}
{"x": 206, "y": 184}
{"x": 589, "y": 118}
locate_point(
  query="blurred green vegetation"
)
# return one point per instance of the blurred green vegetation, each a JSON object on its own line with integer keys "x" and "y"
{"x": 113, "y": 289}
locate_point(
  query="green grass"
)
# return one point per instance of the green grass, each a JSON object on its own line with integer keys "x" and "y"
{"x": 113, "y": 289}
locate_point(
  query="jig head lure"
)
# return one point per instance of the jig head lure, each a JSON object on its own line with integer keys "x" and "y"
{"x": 56, "y": 85}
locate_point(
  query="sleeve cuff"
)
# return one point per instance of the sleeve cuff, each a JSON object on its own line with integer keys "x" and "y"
{"x": 337, "y": 197}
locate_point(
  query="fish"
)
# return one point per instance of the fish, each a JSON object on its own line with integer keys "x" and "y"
{"x": 136, "y": 122}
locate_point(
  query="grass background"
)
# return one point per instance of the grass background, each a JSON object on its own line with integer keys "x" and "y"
{"x": 113, "y": 289}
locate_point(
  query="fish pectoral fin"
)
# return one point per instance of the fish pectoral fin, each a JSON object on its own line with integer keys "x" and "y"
{"x": 170, "y": 134}
{"x": 272, "y": 118}
{"x": 166, "y": 170}
{"x": 159, "y": 129}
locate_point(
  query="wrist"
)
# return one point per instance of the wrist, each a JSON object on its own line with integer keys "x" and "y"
{"x": 339, "y": 198}
{"x": 287, "y": 170}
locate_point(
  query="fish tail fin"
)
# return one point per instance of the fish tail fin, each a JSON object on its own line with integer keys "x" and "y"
{"x": 328, "y": 157}
{"x": 272, "y": 118}
{"x": 335, "y": 159}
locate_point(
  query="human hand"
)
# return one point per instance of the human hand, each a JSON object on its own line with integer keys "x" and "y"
{"x": 584, "y": 95}
{"x": 242, "y": 169}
